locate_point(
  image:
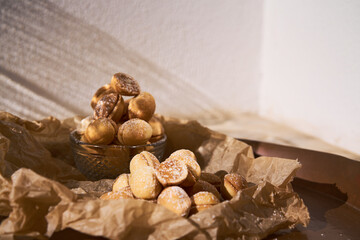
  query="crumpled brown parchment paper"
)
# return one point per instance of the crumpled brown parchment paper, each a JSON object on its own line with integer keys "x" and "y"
{"x": 42, "y": 192}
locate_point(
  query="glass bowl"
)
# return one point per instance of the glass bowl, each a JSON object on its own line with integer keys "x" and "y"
{"x": 108, "y": 161}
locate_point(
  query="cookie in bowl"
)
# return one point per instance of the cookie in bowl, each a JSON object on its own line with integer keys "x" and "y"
{"x": 119, "y": 129}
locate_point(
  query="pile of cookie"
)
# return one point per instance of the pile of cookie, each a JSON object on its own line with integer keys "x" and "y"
{"x": 118, "y": 121}
{"x": 176, "y": 183}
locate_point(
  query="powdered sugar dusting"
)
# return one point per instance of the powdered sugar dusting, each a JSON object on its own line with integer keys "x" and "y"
{"x": 189, "y": 158}
{"x": 144, "y": 184}
{"x": 135, "y": 131}
{"x": 121, "y": 182}
{"x": 150, "y": 159}
{"x": 105, "y": 105}
{"x": 126, "y": 84}
{"x": 123, "y": 193}
{"x": 204, "y": 198}
{"x": 171, "y": 172}
{"x": 175, "y": 199}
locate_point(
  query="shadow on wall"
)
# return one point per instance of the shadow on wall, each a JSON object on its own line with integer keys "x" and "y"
{"x": 51, "y": 63}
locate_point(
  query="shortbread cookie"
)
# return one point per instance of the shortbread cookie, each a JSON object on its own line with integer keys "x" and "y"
{"x": 202, "y": 200}
{"x": 125, "y": 116}
{"x": 100, "y": 93}
{"x": 172, "y": 172}
{"x": 110, "y": 106}
{"x": 84, "y": 123}
{"x": 176, "y": 200}
{"x": 125, "y": 84}
{"x": 134, "y": 132}
{"x": 142, "y": 106}
{"x": 188, "y": 157}
{"x": 100, "y": 131}
{"x": 144, "y": 184}
{"x": 232, "y": 183}
{"x": 202, "y": 186}
{"x": 157, "y": 128}
{"x": 121, "y": 182}
{"x": 144, "y": 159}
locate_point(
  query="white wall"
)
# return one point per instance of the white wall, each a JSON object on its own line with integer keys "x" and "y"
{"x": 311, "y": 68}
{"x": 210, "y": 50}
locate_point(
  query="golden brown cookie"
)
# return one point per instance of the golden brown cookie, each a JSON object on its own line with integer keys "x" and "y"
{"x": 144, "y": 184}
{"x": 100, "y": 131}
{"x": 144, "y": 159}
{"x": 121, "y": 182}
{"x": 125, "y": 115}
{"x": 100, "y": 93}
{"x": 176, "y": 200}
{"x": 172, "y": 172}
{"x": 110, "y": 106}
{"x": 188, "y": 157}
{"x": 202, "y": 186}
{"x": 202, "y": 200}
{"x": 116, "y": 140}
{"x": 84, "y": 123}
{"x": 125, "y": 84}
{"x": 212, "y": 179}
{"x": 123, "y": 193}
{"x": 232, "y": 183}
{"x": 157, "y": 127}
{"x": 142, "y": 106}
{"x": 134, "y": 132}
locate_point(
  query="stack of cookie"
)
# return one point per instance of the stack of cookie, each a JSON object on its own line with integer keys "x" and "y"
{"x": 127, "y": 122}
{"x": 176, "y": 183}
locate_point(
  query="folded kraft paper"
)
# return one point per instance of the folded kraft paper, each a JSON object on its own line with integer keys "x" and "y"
{"x": 42, "y": 192}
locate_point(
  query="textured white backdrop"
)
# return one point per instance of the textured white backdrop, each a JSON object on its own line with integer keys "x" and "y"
{"x": 199, "y": 59}
{"x": 295, "y": 62}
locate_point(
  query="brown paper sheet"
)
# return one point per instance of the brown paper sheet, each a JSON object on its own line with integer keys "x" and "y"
{"x": 38, "y": 205}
